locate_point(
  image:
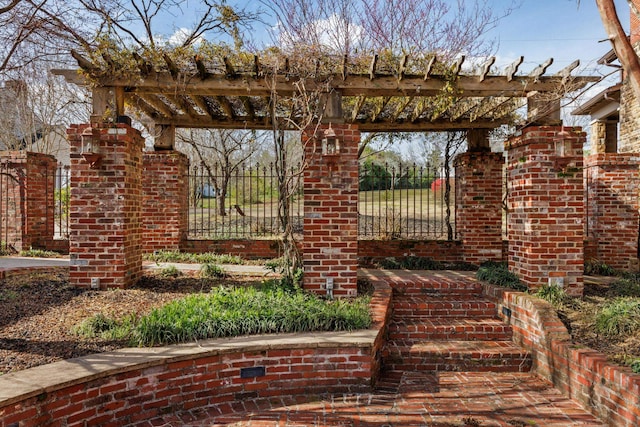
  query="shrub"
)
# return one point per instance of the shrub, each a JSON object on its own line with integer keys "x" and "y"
{"x": 499, "y": 274}
{"x": 619, "y": 317}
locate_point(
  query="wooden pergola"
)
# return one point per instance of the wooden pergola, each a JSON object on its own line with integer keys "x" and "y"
{"x": 221, "y": 94}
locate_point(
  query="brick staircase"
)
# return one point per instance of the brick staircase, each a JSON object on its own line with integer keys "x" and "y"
{"x": 446, "y": 325}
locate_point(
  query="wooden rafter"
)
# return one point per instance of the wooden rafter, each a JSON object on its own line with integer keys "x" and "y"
{"x": 393, "y": 97}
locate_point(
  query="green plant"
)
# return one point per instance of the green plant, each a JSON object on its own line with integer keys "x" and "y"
{"x": 635, "y": 366}
{"x": 106, "y": 327}
{"x": 625, "y": 288}
{"x": 594, "y": 267}
{"x": 8, "y": 295}
{"x": 203, "y": 258}
{"x": 212, "y": 271}
{"x": 619, "y": 317}
{"x": 553, "y": 294}
{"x": 232, "y": 311}
{"x": 170, "y": 271}
{"x": 499, "y": 274}
{"x": 39, "y": 253}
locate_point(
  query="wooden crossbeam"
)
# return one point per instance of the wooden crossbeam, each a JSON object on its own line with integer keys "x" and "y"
{"x": 183, "y": 103}
{"x": 202, "y": 69}
{"x": 173, "y": 69}
{"x": 379, "y": 107}
{"x": 155, "y": 102}
{"x": 144, "y": 66}
{"x": 486, "y": 67}
{"x": 231, "y": 71}
{"x": 541, "y": 69}
{"x": 226, "y": 106}
{"x": 512, "y": 68}
{"x": 372, "y": 68}
{"x": 430, "y": 65}
{"x": 248, "y": 106}
{"x": 357, "y": 107}
{"x": 202, "y": 103}
{"x": 402, "y": 67}
{"x": 458, "y": 65}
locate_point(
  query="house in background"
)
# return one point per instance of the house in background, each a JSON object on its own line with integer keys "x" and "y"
{"x": 22, "y": 130}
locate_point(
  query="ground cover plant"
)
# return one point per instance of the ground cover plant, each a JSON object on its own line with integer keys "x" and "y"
{"x": 606, "y": 319}
{"x": 43, "y": 319}
{"x": 202, "y": 258}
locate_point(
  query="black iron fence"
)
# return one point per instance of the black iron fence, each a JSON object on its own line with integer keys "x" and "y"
{"x": 13, "y": 204}
{"x": 395, "y": 202}
{"x": 243, "y": 202}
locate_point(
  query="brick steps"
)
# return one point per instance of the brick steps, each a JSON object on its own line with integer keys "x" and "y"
{"x": 438, "y": 307}
{"x": 460, "y": 356}
{"x": 436, "y": 327}
{"x": 468, "y": 329}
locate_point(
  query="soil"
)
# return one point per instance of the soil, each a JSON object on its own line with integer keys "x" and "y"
{"x": 39, "y": 311}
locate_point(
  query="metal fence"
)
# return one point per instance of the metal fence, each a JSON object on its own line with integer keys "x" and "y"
{"x": 13, "y": 202}
{"x": 395, "y": 202}
{"x": 405, "y": 202}
{"x": 241, "y": 202}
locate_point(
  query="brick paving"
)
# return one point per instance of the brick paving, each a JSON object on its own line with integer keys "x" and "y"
{"x": 448, "y": 362}
{"x": 407, "y": 400}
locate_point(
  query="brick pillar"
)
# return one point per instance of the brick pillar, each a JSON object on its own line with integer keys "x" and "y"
{"x": 330, "y": 246}
{"x": 165, "y": 184}
{"x": 479, "y": 205}
{"x": 105, "y": 206}
{"x": 612, "y": 183}
{"x": 27, "y": 187}
{"x": 546, "y": 206}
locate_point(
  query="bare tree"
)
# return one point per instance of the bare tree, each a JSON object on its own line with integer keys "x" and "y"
{"x": 621, "y": 44}
{"x": 221, "y": 153}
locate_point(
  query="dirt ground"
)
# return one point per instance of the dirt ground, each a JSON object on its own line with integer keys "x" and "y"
{"x": 39, "y": 311}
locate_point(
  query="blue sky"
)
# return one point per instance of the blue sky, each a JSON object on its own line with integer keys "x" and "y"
{"x": 561, "y": 29}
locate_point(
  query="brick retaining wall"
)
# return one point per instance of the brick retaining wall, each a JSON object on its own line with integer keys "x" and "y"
{"x": 129, "y": 386}
{"x": 610, "y": 392}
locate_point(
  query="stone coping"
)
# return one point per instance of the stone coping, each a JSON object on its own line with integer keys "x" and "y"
{"x": 40, "y": 380}
{"x": 22, "y": 385}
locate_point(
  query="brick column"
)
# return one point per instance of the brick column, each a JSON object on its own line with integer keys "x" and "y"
{"x": 27, "y": 210}
{"x": 165, "y": 187}
{"x": 105, "y": 207}
{"x": 613, "y": 182}
{"x": 330, "y": 246}
{"x": 479, "y": 205}
{"x": 546, "y": 206}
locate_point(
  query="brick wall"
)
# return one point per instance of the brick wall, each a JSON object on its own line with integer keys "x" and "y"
{"x": 613, "y": 182}
{"x": 546, "y": 206}
{"x": 370, "y": 251}
{"x": 165, "y": 200}
{"x": 610, "y": 392}
{"x": 479, "y": 205}
{"x": 105, "y": 207}
{"x": 28, "y": 181}
{"x": 131, "y": 386}
{"x": 330, "y": 245}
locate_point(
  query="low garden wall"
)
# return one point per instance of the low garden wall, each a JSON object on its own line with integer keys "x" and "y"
{"x": 129, "y": 386}
{"x": 610, "y": 392}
